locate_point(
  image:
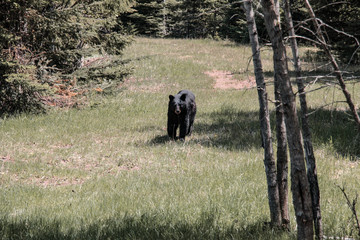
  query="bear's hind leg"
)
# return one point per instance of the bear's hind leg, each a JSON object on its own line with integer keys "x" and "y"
{"x": 192, "y": 118}
{"x": 184, "y": 128}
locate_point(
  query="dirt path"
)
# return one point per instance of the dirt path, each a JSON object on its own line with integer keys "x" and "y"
{"x": 226, "y": 80}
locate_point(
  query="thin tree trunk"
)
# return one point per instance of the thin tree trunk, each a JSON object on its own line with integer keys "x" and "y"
{"x": 309, "y": 152}
{"x": 282, "y": 157}
{"x": 164, "y": 30}
{"x": 281, "y": 153}
{"x": 269, "y": 162}
{"x": 299, "y": 183}
{"x": 334, "y": 64}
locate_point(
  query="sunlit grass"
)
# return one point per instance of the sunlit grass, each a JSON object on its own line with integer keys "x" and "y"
{"x": 109, "y": 171}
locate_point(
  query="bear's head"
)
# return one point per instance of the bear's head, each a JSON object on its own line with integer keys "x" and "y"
{"x": 177, "y": 103}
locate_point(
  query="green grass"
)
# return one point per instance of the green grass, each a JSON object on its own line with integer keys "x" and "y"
{"x": 110, "y": 172}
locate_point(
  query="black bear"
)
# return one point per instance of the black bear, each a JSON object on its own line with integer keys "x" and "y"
{"x": 182, "y": 111}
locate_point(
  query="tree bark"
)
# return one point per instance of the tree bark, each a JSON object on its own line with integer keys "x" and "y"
{"x": 281, "y": 153}
{"x": 282, "y": 157}
{"x": 299, "y": 183}
{"x": 309, "y": 152}
{"x": 269, "y": 162}
{"x": 164, "y": 27}
{"x": 334, "y": 64}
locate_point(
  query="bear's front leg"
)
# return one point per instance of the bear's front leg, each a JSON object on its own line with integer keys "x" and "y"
{"x": 171, "y": 129}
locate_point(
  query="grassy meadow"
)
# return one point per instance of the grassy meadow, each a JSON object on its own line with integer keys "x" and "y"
{"x": 109, "y": 171}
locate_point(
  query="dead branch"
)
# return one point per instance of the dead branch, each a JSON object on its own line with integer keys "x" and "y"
{"x": 330, "y": 4}
{"x": 339, "y": 31}
{"x": 313, "y": 90}
{"x": 319, "y": 41}
{"x": 323, "y": 106}
{"x": 352, "y": 56}
{"x": 338, "y": 73}
{"x": 305, "y": 38}
{"x": 352, "y": 206}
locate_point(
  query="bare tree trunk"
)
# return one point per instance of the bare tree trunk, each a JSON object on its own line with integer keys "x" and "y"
{"x": 334, "y": 64}
{"x": 281, "y": 153}
{"x": 269, "y": 162}
{"x": 164, "y": 30}
{"x": 282, "y": 158}
{"x": 309, "y": 152}
{"x": 299, "y": 183}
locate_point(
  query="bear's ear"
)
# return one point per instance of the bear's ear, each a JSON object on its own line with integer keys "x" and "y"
{"x": 171, "y": 97}
{"x": 183, "y": 97}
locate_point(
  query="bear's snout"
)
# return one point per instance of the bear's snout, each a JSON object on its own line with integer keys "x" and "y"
{"x": 177, "y": 111}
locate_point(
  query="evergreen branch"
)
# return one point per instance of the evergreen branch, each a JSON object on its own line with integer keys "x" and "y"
{"x": 75, "y": 3}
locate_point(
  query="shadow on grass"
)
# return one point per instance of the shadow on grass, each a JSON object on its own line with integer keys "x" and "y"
{"x": 144, "y": 227}
{"x": 233, "y": 129}
{"x": 229, "y": 128}
{"x": 128, "y": 60}
{"x": 336, "y": 129}
{"x": 160, "y": 139}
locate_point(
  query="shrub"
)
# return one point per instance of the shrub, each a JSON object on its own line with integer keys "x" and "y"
{"x": 44, "y": 42}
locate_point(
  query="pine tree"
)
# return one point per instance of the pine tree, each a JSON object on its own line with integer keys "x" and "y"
{"x": 45, "y": 42}
{"x": 146, "y": 17}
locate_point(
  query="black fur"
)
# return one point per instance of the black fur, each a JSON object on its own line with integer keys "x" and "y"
{"x": 182, "y": 111}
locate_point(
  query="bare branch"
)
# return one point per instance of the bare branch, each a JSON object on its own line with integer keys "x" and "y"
{"x": 352, "y": 56}
{"x": 319, "y": 40}
{"x": 323, "y": 24}
{"x": 305, "y": 38}
{"x": 330, "y": 4}
{"x": 352, "y": 206}
{"x": 325, "y": 47}
{"x": 339, "y": 31}
{"x": 320, "y": 67}
{"x": 325, "y": 105}
{"x": 316, "y": 89}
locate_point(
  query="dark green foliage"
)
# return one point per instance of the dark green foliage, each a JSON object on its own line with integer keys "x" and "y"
{"x": 234, "y": 26}
{"x": 147, "y": 15}
{"x": 18, "y": 90}
{"x": 199, "y": 18}
{"x": 48, "y": 41}
{"x": 226, "y": 19}
{"x": 189, "y": 19}
{"x": 344, "y": 16}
